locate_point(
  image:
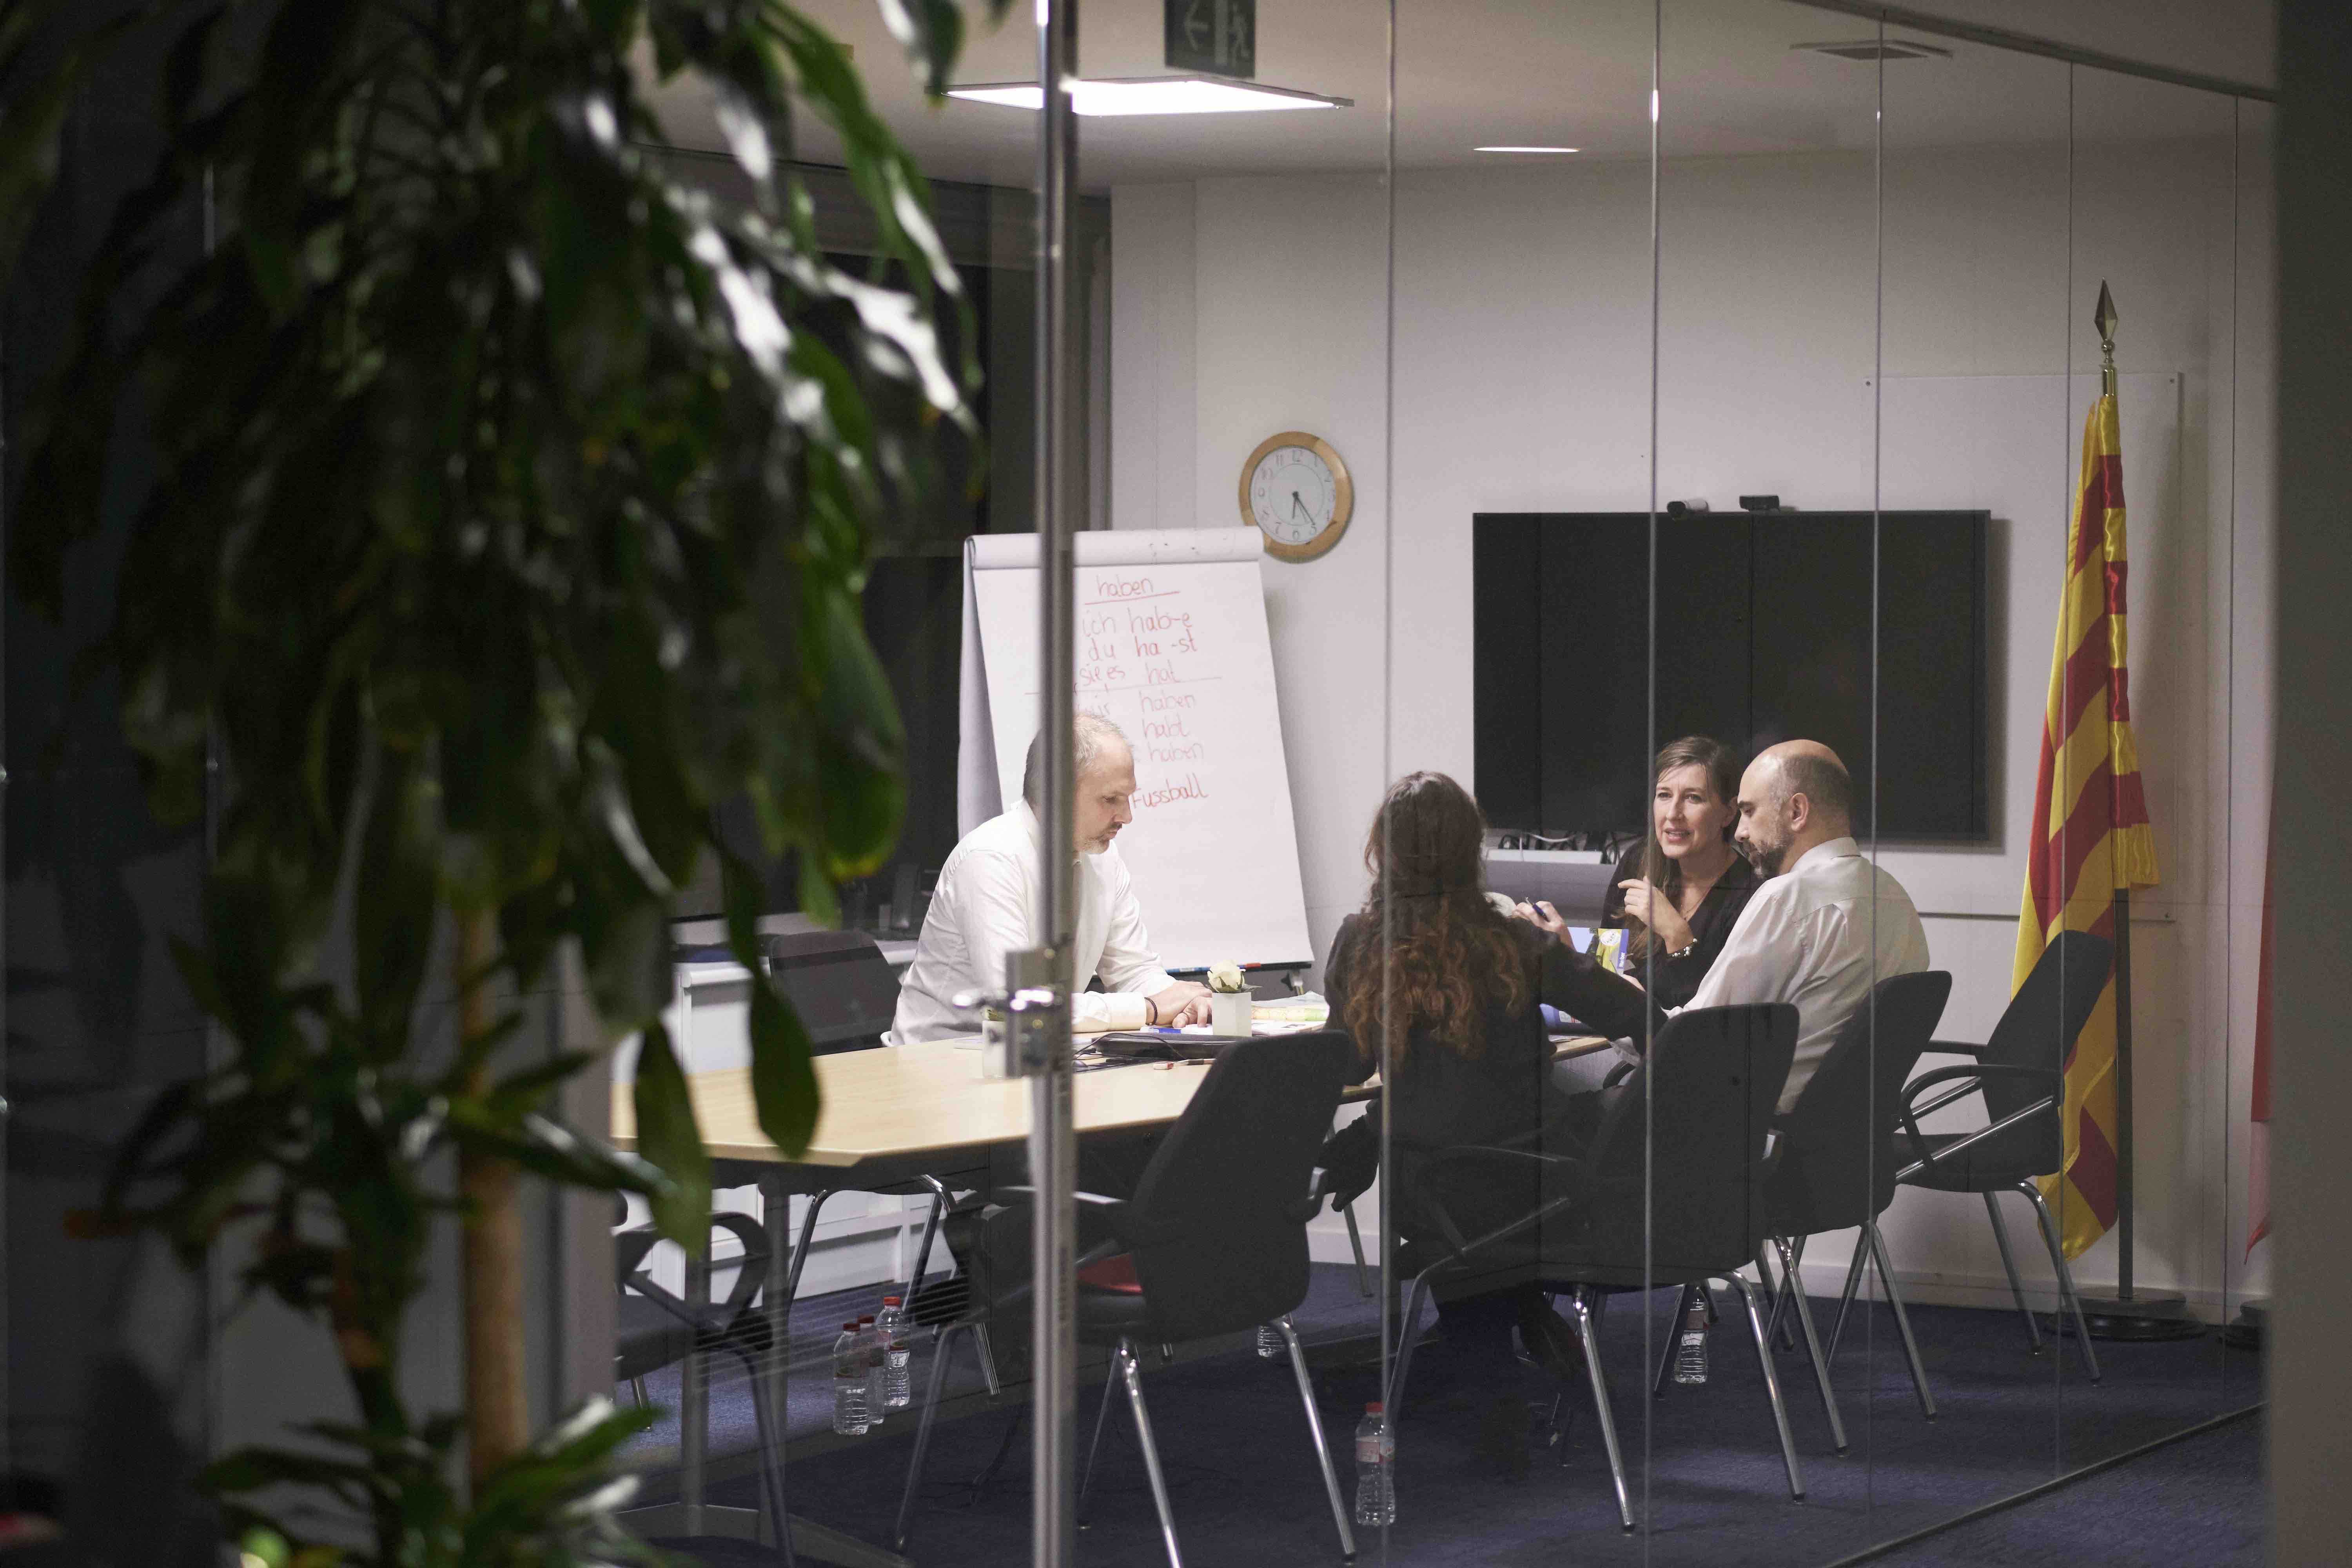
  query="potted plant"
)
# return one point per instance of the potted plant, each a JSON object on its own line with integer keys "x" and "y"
{"x": 1231, "y": 1007}
{"x": 505, "y": 515}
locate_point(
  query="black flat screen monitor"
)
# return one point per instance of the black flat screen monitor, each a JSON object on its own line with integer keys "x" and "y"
{"x": 1764, "y": 632}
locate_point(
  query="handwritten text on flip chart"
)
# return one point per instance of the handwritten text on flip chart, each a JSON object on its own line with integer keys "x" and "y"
{"x": 1141, "y": 665}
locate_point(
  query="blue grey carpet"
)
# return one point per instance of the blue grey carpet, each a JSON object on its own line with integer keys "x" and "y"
{"x": 1705, "y": 1470}
{"x": 2197, "y": 1500}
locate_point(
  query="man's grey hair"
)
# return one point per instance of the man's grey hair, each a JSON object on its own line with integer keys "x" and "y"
{"x": 1091, "y": 733}
{"x": 1825, "y": 783}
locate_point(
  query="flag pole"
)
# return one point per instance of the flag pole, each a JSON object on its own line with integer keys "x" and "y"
{"x": 2128, "y": 1314}
{"x": 2105, "y": 317}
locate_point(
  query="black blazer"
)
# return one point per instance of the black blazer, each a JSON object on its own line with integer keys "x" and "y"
{"x": 1673, "y": 981}
{"x": 1503, "y": 1093}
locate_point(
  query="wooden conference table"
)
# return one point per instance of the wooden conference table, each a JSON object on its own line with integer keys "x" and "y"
{"x": 922, "y": 1107}
{"x": 896, "y": 1114}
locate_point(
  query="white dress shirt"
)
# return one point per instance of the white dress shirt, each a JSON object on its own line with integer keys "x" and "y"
{"x": 987, "y": 906}
{"x": 1821, "y": 936}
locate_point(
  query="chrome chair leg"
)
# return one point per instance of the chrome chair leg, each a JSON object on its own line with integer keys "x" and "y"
{"x": 1804, "y": 1316}
{"x": 2065, "y": 1277}
{"x": 1902, "y": 1319}
{"x": 931, "y": 1233}
{"x": 2009, "y": 1265}
{"x": 1776, "y": 1322}
{"x": 1771, "y": 1386}
{"x": 1579, "y": 1304}
{"x": 800, "y": 1252}
{"x": 1558, "y": 1424}
{"x": 1102, "y": 1423}
{"x": 1151, "y": 1454}
{"x": 987, "y": 1361}
{"x": 1356, "y": 1244}
{"x": 1845, "y": 1297}
{"x": 944, "y": 1348}
{"x": 1315, "y": 1430}
{"x": 1394, "y": 1397}
{"x": 764, "y": 1425}
{"x": 638, "y": 1386}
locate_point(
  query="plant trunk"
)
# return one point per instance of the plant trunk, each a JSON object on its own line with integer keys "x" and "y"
{"x": 497, "y": 1418}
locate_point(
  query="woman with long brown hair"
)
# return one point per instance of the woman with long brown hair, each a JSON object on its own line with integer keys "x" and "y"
{"x": 1687, "y": 885}
{"x": 1439, "y": 988}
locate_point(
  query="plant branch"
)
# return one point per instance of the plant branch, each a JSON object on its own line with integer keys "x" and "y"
{"x": 499, "y": 1417}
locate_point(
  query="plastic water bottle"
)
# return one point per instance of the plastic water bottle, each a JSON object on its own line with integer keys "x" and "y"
{"x": 850, "y": 1379}
{"x": 1269, "y": 1342}
{"x": 898, "y": 1355}
{"x": 1690, "y": 1350}
{"x": 1375, "y": 1468}
{"x": 878, "y": 1369}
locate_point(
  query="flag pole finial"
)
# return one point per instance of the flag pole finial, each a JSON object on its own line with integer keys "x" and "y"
{"x": 2103, "y": 318}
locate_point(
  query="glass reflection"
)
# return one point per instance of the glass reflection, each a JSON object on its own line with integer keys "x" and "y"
{"x": 1518, "y": 389}
{"x": 1975, "y": 143}
{"x": 1767, "y": 603}
{"x": 1545, "y": 1192}
{"x": 2146, "y": 1204}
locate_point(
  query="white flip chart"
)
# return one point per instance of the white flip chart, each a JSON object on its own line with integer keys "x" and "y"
{"x": 1172, "y": 647}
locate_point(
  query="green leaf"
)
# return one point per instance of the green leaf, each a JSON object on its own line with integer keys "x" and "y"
{"x": 783, "y": 1074}
{"x": 546, "y": 1147}
{"x": 668, "y": 1140}
{"x": 394, "y": 900}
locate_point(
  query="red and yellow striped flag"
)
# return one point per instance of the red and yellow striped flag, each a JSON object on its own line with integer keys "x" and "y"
{"x": 2091, "y": 831}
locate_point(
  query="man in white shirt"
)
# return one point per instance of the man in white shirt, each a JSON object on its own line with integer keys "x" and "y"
{"x": 1827, "y": 924}
{"x": 988, "y": 901}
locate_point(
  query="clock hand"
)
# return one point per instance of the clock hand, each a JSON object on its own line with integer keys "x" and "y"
{"x": 1299, "y": 506}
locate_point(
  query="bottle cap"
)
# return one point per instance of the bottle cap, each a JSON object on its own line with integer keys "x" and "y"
{"x": 863, "y": 1319}
{"x": 890, "y": 1301}
{"x": 1373, "y": 1408}
{"x": 849, "y": 1328}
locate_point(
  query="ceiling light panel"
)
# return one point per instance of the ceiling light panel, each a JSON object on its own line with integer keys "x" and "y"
{"x": 1874, "y": 49}
{"x": 1154, "y": 95}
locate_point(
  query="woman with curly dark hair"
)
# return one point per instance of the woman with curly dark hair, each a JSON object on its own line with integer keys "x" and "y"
{"x": 1440, "y": 986}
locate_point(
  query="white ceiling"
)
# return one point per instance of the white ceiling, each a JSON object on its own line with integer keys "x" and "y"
{"x": 1576, "y": 72}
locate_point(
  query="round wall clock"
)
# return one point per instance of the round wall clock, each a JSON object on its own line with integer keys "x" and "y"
{"x": 1296, "y": 492}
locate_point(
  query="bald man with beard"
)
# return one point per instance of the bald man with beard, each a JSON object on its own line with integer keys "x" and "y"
{"x": 1827, "y": 924}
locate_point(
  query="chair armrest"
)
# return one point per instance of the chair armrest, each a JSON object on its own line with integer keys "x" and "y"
{"x": 1349, "y": 1161}
{"x": 1952, "y": 1048}
{"x": 631, "y": 1248}
{"x": 1461, "y": 1153}
{"x": 1119, "y": 1214}
{"x": 1578, "y": 1174}
{"x": 751, "y": 1273}
{"x": 1098, "y": 1252}
{"x": 1097, "y": 1199}
{"x": 1970, "y": 1079}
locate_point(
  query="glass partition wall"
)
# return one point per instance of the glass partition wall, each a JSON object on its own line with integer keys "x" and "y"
{"x": 1576, "y": 516}
{"x": 758, "y": 1423}
{"x": 2155, "y": 207}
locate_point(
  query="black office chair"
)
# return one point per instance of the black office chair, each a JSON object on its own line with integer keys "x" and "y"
{"x": 1217, "y": 1235}
{"x": 2021, "y": 1071}
{"x": 1840, "y": 1151}
{"x": 736, "y": 1326}
{"x": 1670, "y": 1193}
{"x": 845, "y": 994}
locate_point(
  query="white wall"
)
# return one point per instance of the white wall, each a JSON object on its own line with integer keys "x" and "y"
{"x": 1522, "y": 332}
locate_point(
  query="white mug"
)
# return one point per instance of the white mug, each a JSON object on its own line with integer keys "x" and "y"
{"x": 1229, "y": 1012}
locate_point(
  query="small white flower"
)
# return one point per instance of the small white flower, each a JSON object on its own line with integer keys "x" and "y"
{"x": 1226, "y": 976}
